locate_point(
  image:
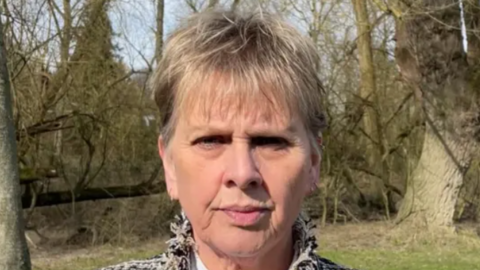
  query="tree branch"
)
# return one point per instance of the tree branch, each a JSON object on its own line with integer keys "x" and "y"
{"x": 93, "y": 194}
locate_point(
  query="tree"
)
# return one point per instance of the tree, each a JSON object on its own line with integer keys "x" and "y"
{"x": 159, "y": 31}
{"x": 430, "y": 56}
{"x": 15, "y": 254}
{"x": 212, "y": 3}
{"x": 368, "y": 91}
{"x": 472, "y": 21}
{"x": 369, "y": 100}
{"x": 94, "y": 70}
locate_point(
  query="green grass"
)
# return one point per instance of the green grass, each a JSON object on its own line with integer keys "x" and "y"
{"x": 367, "y": 246}
{"x": 104, "y": 258}
{"x": 362, "y": 260}
{"x": 406, "y": 260}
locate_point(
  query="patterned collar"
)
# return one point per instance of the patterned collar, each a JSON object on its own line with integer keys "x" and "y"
{"x": 180, "y": 254}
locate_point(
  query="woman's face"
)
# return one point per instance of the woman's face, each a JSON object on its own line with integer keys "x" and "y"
{"x": 240, "y": 177}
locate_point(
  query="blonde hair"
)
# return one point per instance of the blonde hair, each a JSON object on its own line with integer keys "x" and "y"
{"x": 260, "y": 60}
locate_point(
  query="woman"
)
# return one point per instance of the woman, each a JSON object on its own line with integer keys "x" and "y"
{"x": 241, "y": 107}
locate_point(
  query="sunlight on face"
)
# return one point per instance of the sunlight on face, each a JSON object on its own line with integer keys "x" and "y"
{"x": 240, "y": 176}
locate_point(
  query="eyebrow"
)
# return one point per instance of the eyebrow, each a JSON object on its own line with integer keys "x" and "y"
{"x": 291, "y": 129}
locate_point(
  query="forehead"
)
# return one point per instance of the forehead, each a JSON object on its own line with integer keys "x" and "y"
{"x": 220, "y": 100}
{"x": 256, "y": 120}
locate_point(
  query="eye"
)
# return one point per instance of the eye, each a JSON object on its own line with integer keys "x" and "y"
{"x": 209, "y": 142}
{"x": 277, "y": 143}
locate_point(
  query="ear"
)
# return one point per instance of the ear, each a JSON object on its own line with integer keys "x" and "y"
{"x": 314, "y": 170}
{"x": 168, "y": 168}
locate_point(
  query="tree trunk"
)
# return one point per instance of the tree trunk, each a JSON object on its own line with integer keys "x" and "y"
{"x": 234, "y": 5}
{"x": 431, "y": 59}
{"x": 159, "y": 32}
{"x": 14, "y": 254}
{"x": 367, "y": 93}
{"x": 433, "y": 189}
{"x": 66, "y": 38}
{"x": 472, "y": 23}
{"x": 369, "y": 102}
{"x": 66, "y": 35}
{"x": 212, "y": 3}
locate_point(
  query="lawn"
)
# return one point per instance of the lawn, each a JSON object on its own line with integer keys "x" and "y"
{"x": 363, "y": 260}
{"x": 89, "y": 259}
{"x": 371, "y": 247}
{"x": 419, "y": 260}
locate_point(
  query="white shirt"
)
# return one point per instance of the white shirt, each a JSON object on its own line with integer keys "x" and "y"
{"x": 199, "y": 264}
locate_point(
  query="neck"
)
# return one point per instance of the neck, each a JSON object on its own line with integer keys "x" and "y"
{"x": 279, "y": 257}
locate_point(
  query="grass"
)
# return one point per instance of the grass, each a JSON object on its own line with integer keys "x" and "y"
{"x": 364, "y": 260}
{"x": 373, "y": 246}
{"x": 381, "y": 246}
{"x": 418, "y": 260}
{"x": 92, "y": 259}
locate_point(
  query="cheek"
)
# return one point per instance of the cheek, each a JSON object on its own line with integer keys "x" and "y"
{"x": 286, "y": 181}
{"x": 198, "y": 182}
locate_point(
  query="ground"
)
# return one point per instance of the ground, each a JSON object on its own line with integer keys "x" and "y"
{"x": 365, "y": 246}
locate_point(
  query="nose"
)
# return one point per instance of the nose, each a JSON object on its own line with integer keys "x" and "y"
{"x": 242, "y": 170}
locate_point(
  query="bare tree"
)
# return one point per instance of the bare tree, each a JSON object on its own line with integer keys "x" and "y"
{"x": 159, "y": 31}
{"x": 368, "y": 91}
{"x": 15, "y": 254}
{"x": 234, "y": 5}
{"x": 369, "y": 100}
{"x": 472, "y": 21}
{"x": 212, "y": 3}
{"x": 430, "y": 56}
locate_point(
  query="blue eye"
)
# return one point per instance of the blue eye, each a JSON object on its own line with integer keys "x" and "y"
{"x": 209, "y": 142}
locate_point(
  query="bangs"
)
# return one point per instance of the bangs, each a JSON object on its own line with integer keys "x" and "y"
{"x": 266, "y": 95}
{"x": 220, "y": 64}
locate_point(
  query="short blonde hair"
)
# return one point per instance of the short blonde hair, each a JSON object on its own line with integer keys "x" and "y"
{"x": 259, "y": 58}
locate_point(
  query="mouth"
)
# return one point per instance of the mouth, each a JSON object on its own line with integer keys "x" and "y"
{"x": 245, "y": 215}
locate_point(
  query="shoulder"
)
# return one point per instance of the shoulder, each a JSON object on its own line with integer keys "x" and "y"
{"x": 160, "y": 263}
{"x": 155, "y": 263}
{"x": 326, "y": 264}
{"x": 166, "y": 261}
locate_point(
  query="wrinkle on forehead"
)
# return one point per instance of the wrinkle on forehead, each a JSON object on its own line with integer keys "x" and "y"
{"x": 225, "y": 96}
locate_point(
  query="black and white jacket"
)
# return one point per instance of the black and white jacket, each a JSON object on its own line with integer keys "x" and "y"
{"x": 180, "y": 253}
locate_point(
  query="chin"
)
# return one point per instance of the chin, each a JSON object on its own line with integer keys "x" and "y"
{"x": 240, "y": 243}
